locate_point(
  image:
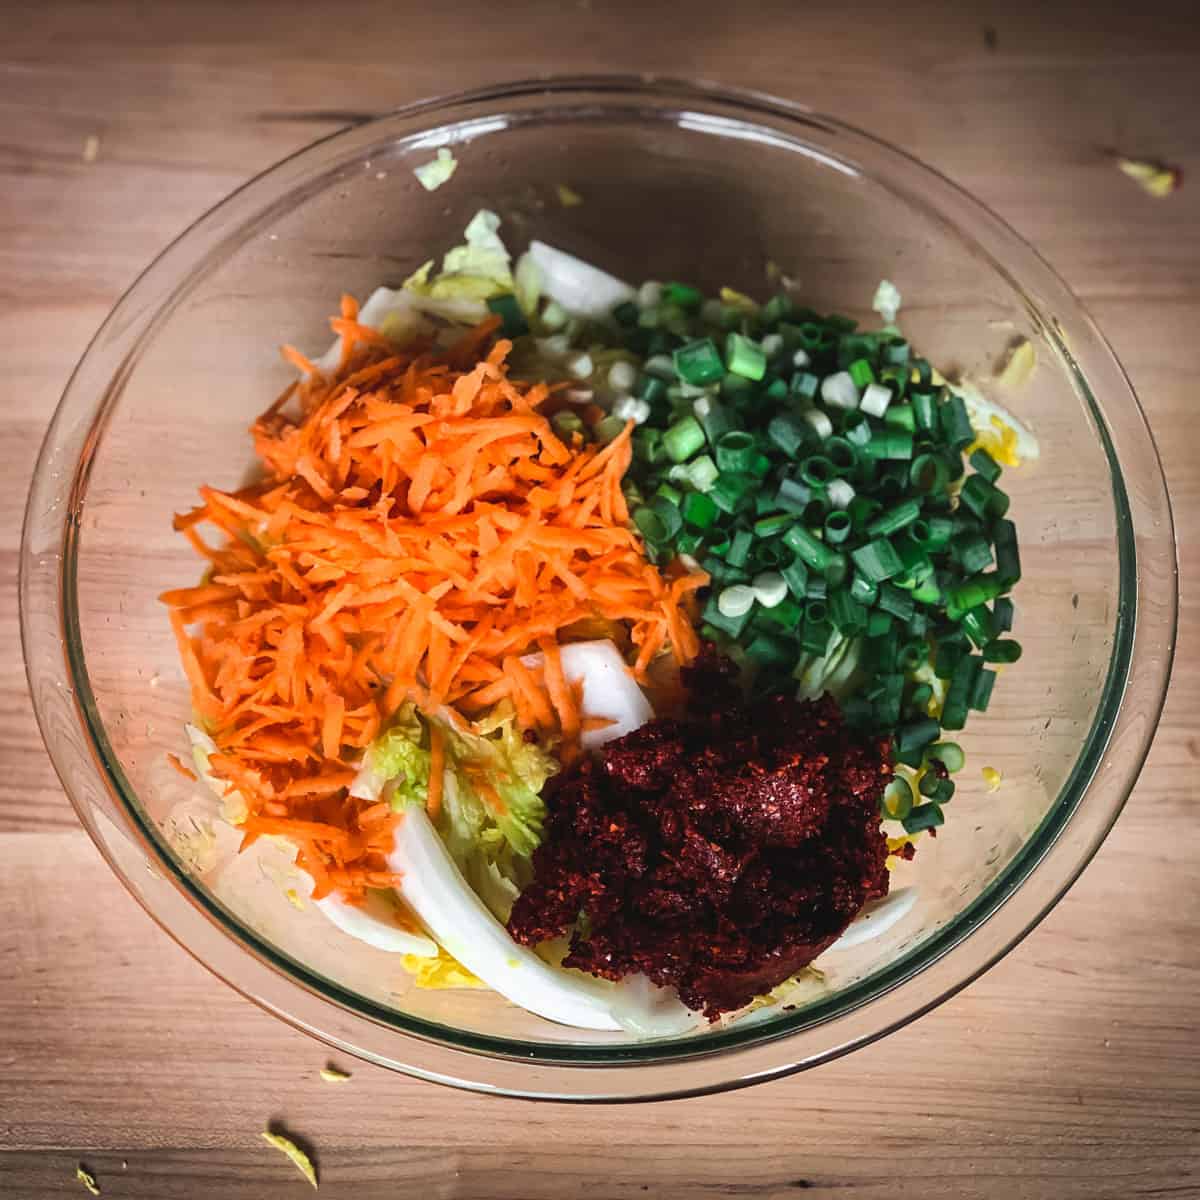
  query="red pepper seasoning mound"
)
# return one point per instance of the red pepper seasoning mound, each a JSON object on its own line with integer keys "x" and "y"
{"x": 718, "y": 853}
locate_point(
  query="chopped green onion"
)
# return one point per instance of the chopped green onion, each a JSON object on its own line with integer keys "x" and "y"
{"x": 736, "y": 451}
{"x": 981, "y": 692}
{"x": 714, "y": 418}
{"x": 956, "y": 424}
{"x": 732, "y": 491}
{"x": 733, "y": 626}
{"x": 1008, "y": 560}
{"x": 768, "y": 527}
{"x": 786, "y": 433}
{"x": 913, "y": 653}
{"x": 961, "y": 691}
{"x": 769, "y": 650}
{"x": 1006, "y": 650}
{"x": 862, "y": 509}
{"x": 701, "y": 472}
{"x": 743, "y": 357}
{"x": 900, "y": 417}
{"x": 864, "y": 590}
{"x": 651, "y": 389}
{"x": 973, "y": 551}
{"x": 793, "y": 496}
{"x": 929, "y": 473}
{"x": 770, "y": 589}
{"x": 875, "y": 400}
{"x": 565, "y": 422}
{"x": 889, "y": 444}
{"x": 698, "y": 362}
{"x": 607, "y": 429}
{"x": 818, "y": 422}
{"x": 739, "y": 548}
{"x": 682, "y": 295}
{"x": 896, "y": 601}
{"x": 813, "y": 551}
{"x": 683, "y": 439}
{"x": 816, "y": 471}
{"x": 815, "y": 635}
{"x": 698, "y": 510}
{"x": 856, "y": 429}
{"x": 735, "y": 601}
{"x": 897, "y": 799}
{"x": 796, "y": 576}
{"x": 978, "y": 624}
{"x": 1002, "y": 613}
{"x": 877, "y": 560}
{"x": 916, "y": 735}
{"x": 924, "y": 816}
{"x": 839, "y": 390}
{"x": 805, "y": 384}
{"x": 847, "y": 614}
{"x": 878, "y": 622}
{"x": 985, "y": 464}
{"x": 837, "y": 527}
{"x": 925, "y": 413}
{"x": 972, "y": 592}
{"x": 893, "y": 519}
{"x": 861, "y": 372}
{"x": 512, "y": 319}
{"x": 936, "y": 786}
{"x": 841, "y": 454}
{"x": 949, "y": 754}
{"x": 668, "y": 513}
{"x": 650, "y": 525}
{"x": 889, "y": 700}
{"x": 786, "y": 613}
{"x": 840, "y": 493}
{"x": 984, "y": 499}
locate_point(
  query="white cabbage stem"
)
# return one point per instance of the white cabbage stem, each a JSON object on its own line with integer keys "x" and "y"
{"x": 434, "y": 888}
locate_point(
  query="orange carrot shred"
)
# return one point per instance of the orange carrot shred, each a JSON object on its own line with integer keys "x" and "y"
{"x": 437, "y": 766}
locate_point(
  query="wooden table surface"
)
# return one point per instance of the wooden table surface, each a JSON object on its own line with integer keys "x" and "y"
{"x": 1071, "y": 1070}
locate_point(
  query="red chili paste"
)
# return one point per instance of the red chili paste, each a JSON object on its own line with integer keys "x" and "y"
{"x": 718, "y": 853}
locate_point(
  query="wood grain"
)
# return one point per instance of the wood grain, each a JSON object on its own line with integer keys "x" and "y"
{"x": 1070, "y": 1070}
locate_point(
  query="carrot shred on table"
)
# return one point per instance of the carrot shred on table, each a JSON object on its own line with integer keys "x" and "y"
{"x": 417, "y": 530}
{"x": 185, "y": 771}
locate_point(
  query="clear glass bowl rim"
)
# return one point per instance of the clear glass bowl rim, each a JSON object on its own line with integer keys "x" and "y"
{"x": 978, "y": 936}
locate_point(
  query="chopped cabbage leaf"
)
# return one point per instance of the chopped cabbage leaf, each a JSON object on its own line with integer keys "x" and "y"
{"x": 442, "y": 972}
{"x": 432, "y": 175}
{"x": 491, "y": 814}
{"x": 479, "y": 268}
{"x": 527, "y": 284}
{"x": 887, "y": 300}
{"x": 568, "y": 197}
{"x": 287, "y": 1146}
{"x": 233, "y": 804}
{"x": 396, "y": 760}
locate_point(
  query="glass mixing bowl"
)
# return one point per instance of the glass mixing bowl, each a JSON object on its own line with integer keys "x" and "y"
{"x": 677, "y": 181}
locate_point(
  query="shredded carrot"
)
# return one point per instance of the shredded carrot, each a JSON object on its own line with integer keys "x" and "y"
{"x": 177, "y": 763}
{"x": 592, "y": 724}
{"x": 437, "y": 766}
{"x": 418, "y": 529}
